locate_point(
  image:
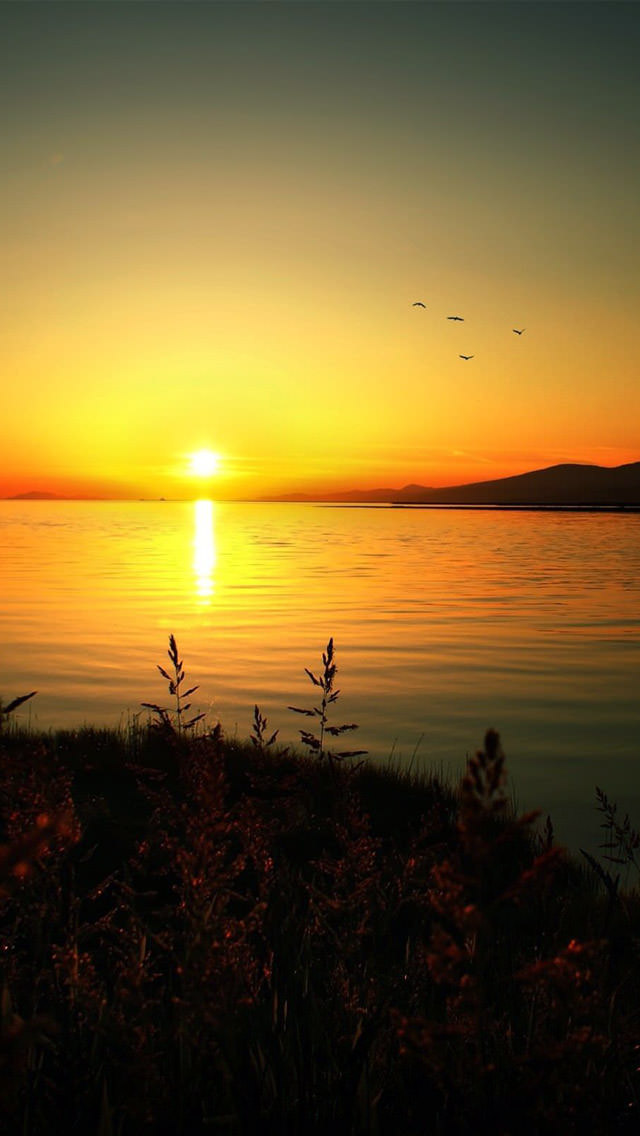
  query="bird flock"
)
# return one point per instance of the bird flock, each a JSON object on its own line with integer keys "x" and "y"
{"x": 460, "y": 319}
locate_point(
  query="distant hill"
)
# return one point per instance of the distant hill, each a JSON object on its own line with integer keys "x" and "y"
{"x": 557, "y": 485}
{"x": 371, "y": 496}
{"x": 567, "y": 484}
{"x": 35, "y": 495}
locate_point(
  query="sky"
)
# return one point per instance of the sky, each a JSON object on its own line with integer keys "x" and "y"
{"x": 215, "y": 219}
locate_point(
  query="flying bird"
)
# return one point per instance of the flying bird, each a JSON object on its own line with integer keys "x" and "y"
{"x": 519, "y": 331}
{"x": 467, "y": 356}
{"x": 418, "y": 304}
{"x": 460, "y": 318}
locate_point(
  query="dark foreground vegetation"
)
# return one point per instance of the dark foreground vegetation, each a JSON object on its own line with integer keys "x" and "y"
{"x": 200, "y": 936}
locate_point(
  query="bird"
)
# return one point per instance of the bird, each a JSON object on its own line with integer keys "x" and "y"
{"x": 467, "y": 356}
{"x": 461, "y": 318}
{"x": 519, "y": 331}
{"x": 418, "y": 304}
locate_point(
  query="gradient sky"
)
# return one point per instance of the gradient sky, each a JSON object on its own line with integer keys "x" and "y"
{"x": 215, "y": 219}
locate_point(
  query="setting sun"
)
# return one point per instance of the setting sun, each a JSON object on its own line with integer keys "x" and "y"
{"x": 204, "y": 463}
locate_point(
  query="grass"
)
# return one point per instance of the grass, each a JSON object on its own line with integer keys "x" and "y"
{"x": 199, "y": 935}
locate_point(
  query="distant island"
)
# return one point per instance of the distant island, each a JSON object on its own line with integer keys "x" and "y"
{"x": 36, "y": 495}
{"x": 567, "y": 485}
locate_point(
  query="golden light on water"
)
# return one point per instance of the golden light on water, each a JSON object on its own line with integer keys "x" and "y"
{"x": 204, "y": 548}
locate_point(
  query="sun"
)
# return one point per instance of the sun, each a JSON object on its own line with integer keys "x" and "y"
{"x": 204, "y": 463}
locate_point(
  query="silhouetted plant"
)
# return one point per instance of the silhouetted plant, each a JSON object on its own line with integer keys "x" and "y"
{"x": 258, "y": 736}
{"x": 620, "y": 847}
{"x": 512, "y": 1002}
{"x": 5, "y": 711}
{"x": 622, "y": 841}
{"x": 170, "y": 719}
{"x": 325, "y": 681}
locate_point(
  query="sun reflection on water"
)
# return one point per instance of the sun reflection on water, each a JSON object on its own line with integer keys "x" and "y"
{"x": 204, "y": 548}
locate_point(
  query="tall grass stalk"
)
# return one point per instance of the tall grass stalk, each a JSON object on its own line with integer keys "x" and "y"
{"x": 171, "y": 719}
{"x": 315, "y": 742}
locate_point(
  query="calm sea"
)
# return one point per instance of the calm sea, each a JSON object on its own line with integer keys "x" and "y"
{"x": 445, "y": 623}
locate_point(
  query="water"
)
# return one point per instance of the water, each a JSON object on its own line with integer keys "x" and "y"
{"x": 445, "y": 623}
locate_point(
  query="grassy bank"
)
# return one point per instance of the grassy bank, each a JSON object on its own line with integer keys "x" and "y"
{"x": 202, "y": 936}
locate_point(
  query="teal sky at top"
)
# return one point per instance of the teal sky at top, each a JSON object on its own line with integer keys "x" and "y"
{"x": 550, "y": 80}
{"x": 533, "y": 109}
